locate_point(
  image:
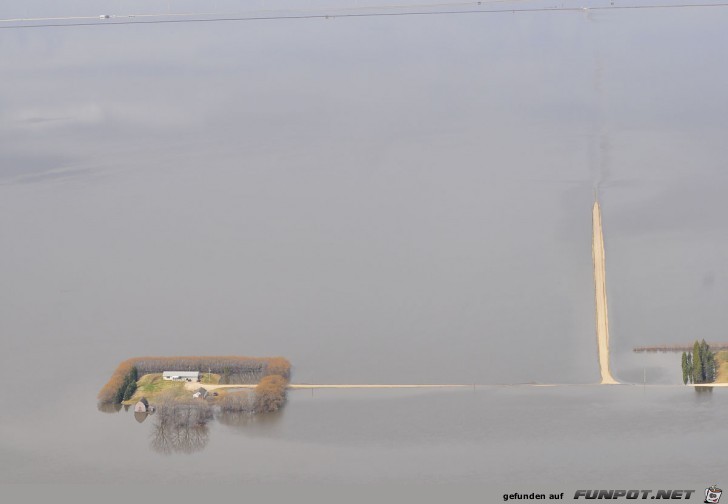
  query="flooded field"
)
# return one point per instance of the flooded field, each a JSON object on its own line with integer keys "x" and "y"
{"x": 401, "y": 199}
{"x": 514, "y": 438}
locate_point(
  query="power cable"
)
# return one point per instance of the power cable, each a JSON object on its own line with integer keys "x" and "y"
{"x": 109, "y": 22}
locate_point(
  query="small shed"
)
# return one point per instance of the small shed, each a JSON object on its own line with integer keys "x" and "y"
{"x": 142, "y": 406}
{"x": 201, "y": 393}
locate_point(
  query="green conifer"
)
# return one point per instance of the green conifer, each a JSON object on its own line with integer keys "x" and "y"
{"x": 130, "y": 389}
{"x": 697, "y": 363}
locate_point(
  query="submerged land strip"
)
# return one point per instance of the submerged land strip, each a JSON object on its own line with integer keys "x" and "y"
{"x": 677, "y": 347}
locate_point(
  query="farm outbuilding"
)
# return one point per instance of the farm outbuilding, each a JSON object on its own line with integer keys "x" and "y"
{"x": 142, "y": 406}
{"x": 200, "y": 393}
{"x": 181, "y": 375}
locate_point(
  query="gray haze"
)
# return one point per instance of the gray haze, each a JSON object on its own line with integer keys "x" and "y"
{"x": 380, "y": 200}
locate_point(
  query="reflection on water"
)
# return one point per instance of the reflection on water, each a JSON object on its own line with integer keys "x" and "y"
{"x": 246, "y": 420}
{"x": 523, "y": 416}
{"x": 168, "y": 438}
{"x": 108, "y": 407}
{"x": 703, "y": 394}
{"x": 495, "y": 435}
{"x": 181, "y": 427}
{"x": 184, "y": 428}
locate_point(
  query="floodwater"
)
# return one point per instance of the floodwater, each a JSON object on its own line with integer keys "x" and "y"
{"x": 504, "y": 438}
{"x": 381, "y": 200}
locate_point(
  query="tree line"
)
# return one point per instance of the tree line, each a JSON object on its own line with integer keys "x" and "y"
{"x": 121, "y": 386}
{"x": 698, "y": 366}
{"x": 268, "y": 396}
{"x": 236, "y": 369}
{"x": 253, "y": 367}
{"x": 128, "y": 386}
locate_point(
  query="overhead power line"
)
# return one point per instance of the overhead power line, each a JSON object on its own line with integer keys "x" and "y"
{"x": 270, "y": 12}
{"x": 132, "y": 19}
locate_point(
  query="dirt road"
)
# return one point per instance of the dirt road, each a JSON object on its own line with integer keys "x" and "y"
{"x": 600, "y": 298}
{"x": 209, "y": 386}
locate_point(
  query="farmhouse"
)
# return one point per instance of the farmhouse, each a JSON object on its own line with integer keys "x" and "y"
{"x": 181, "y": 375}
{"x": 200, "y": 394}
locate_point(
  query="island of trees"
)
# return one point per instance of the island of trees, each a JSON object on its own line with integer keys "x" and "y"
{"x": 141, "y": 378}
{"x": 699, "y": 366}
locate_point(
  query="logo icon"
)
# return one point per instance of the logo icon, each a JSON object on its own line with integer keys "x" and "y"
{"x": 712, "y": 494}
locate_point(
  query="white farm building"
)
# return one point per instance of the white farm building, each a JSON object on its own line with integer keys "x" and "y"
{"x": 181, "y": 375}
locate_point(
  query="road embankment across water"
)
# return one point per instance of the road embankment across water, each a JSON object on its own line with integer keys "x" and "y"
{"x": 353, "y": 386}
{"x": 600, "y": 296}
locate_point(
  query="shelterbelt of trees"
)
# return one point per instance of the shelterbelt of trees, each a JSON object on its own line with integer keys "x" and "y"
{"x": 699, "y": 366}
{"x": 268, "y": 396}
{"x": 233, "y": 369}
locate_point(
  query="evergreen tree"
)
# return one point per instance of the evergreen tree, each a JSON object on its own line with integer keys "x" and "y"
{"x": 709, "y": 366}
{"x": 119, "y": 396}
{"x": 708, "y": 363}
{"x": 697, "y": 363}
{"x": 130, "y": 389}
{"x": 127, "y": 387}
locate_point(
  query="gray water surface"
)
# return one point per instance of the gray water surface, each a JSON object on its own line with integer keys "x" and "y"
{"x": 380, "y": 200}
{"x": 504, "y": 438}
